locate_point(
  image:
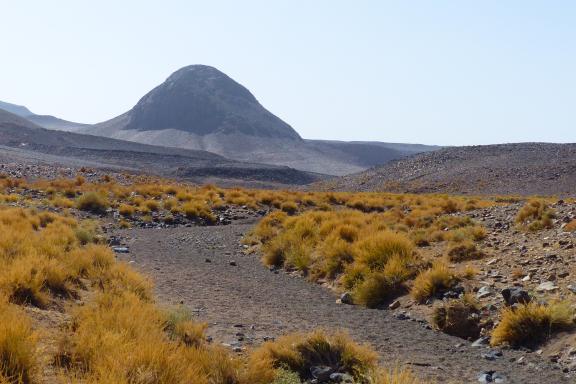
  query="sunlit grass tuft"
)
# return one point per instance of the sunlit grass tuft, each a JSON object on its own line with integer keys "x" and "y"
{"x": 529, "y": 324}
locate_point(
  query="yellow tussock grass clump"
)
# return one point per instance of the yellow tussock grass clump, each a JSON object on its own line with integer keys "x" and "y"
{"x": 428, "y": 283}
{"x": 531, "y": 323}
{"x": 299, "y": 352}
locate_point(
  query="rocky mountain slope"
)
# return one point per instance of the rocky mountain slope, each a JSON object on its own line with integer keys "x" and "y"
{"x": 24, "y": 141}
{"x": 44, "y": 121}
{"x": 199, "y": 107}
{"x": 524, "y": 169}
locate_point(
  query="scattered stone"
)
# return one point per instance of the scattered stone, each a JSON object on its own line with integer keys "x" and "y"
{"x": 481, "y": 342}
{"x": 483, "y": 292}
{"x": 526, "y": 278}
{"x": 114, "y": 241}
{"x": 547, "y": 286}
{"x": 207, "y": 260}
{"x": 491, "y": 377}
{"x": 346, "y": 298}
{"x": 321, "y": 373}
{"x": 394, "y": 305}
{"x": 121, "y": 249}
{"x": 233, "y": 263}
{"x": 492, "y": 354}
{"x": 402, "y": 316}
{"x": 515, "y": 295}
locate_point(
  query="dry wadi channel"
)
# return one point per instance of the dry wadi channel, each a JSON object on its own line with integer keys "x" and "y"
{"x": 245, "y": 304}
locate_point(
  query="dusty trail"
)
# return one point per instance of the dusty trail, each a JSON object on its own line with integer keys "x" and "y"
{"x": 250, "y": 302}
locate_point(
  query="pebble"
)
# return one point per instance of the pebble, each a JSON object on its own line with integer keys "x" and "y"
{"x": 515, "y": 295}
{"x": 481, "y": 342}
{"x": 346, "y": 298}
{"x": 547, "y": 286}
{"x": 483, "y": 292}
{"x": 491, "y": 377}
{"x": 322, "y": 372}
{"x": 492, "y": 354}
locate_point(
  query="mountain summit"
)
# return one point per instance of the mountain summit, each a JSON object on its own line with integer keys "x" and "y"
{"x": 201, "y": 100}
{"x": 198, "y": 107}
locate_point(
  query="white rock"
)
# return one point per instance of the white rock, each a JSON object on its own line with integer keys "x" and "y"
{"x": 547, "y": 286}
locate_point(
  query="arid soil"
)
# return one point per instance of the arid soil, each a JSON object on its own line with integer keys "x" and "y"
{"x": 522, "y": 169}
{"x": 244, "y": 303}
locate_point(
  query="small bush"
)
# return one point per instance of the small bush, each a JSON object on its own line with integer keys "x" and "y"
{"x": 17, "y": 346}
{"x": 289, "y": 207}
{"x": 126, "y": 210}
{"x": 284, "y": 376}
{"x": 337, "y": 253}
{"x": 168, "y": 204}
{"x": 376, "y": 250}
{"x": 62, "y": 202}
{"x": 395, "y": 376}
{"x": 535, "y": 215}
{"x": 432, "y": 281}
{"x": 179, "y": 326}
{"x": 152, "y": 205}
{"x": 529, "y": 324}
{"x": 375, "y": 290}
{"x": 299, "y": 352}
{"x": 571, "y": 226}
{"x": 458, "y": 317}
{"x": 92, "y": 202}
{"x": 464, "y": 251}
{"x": 197, "y": 210}
{"x": 469, "y": 272}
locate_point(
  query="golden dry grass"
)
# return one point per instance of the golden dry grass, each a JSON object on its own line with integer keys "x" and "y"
{"x": 396, "y": 375}
{"x": 18, "y": 356}
{"x": 366, "y": 243}
{"x": 428, "y": 283}
{"x": 464, "y": 251}
{"x": 529, "y": 324}
{"x": 535, "y": 215}
{"x": 120, "y": 336}
{"x": 571, "y": 226}
{"x": 457, "y": 317}
{"x": 93, "y": 202}
{"x": 299, "y": 352}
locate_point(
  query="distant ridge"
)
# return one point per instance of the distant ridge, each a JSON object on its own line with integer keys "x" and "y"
{"x": 18, "y": 110}
{"x": 199, "y": 107}
{"x": 521, "y": 168}
{"x": 23, "y": 141}
{"x": 45, "y": 121}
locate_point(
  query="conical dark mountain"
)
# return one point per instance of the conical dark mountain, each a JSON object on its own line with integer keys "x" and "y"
{"x": 199, "y": 107}
{"x": 202, "y": 100}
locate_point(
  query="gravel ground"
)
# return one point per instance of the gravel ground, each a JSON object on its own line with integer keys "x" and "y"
{"x": 244, "y": 304}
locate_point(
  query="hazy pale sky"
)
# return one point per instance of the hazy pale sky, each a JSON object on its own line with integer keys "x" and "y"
{"x": 435, "y": 72}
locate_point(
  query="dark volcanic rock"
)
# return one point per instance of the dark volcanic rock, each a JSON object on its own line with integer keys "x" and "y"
{"x": 202, "y": 100}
